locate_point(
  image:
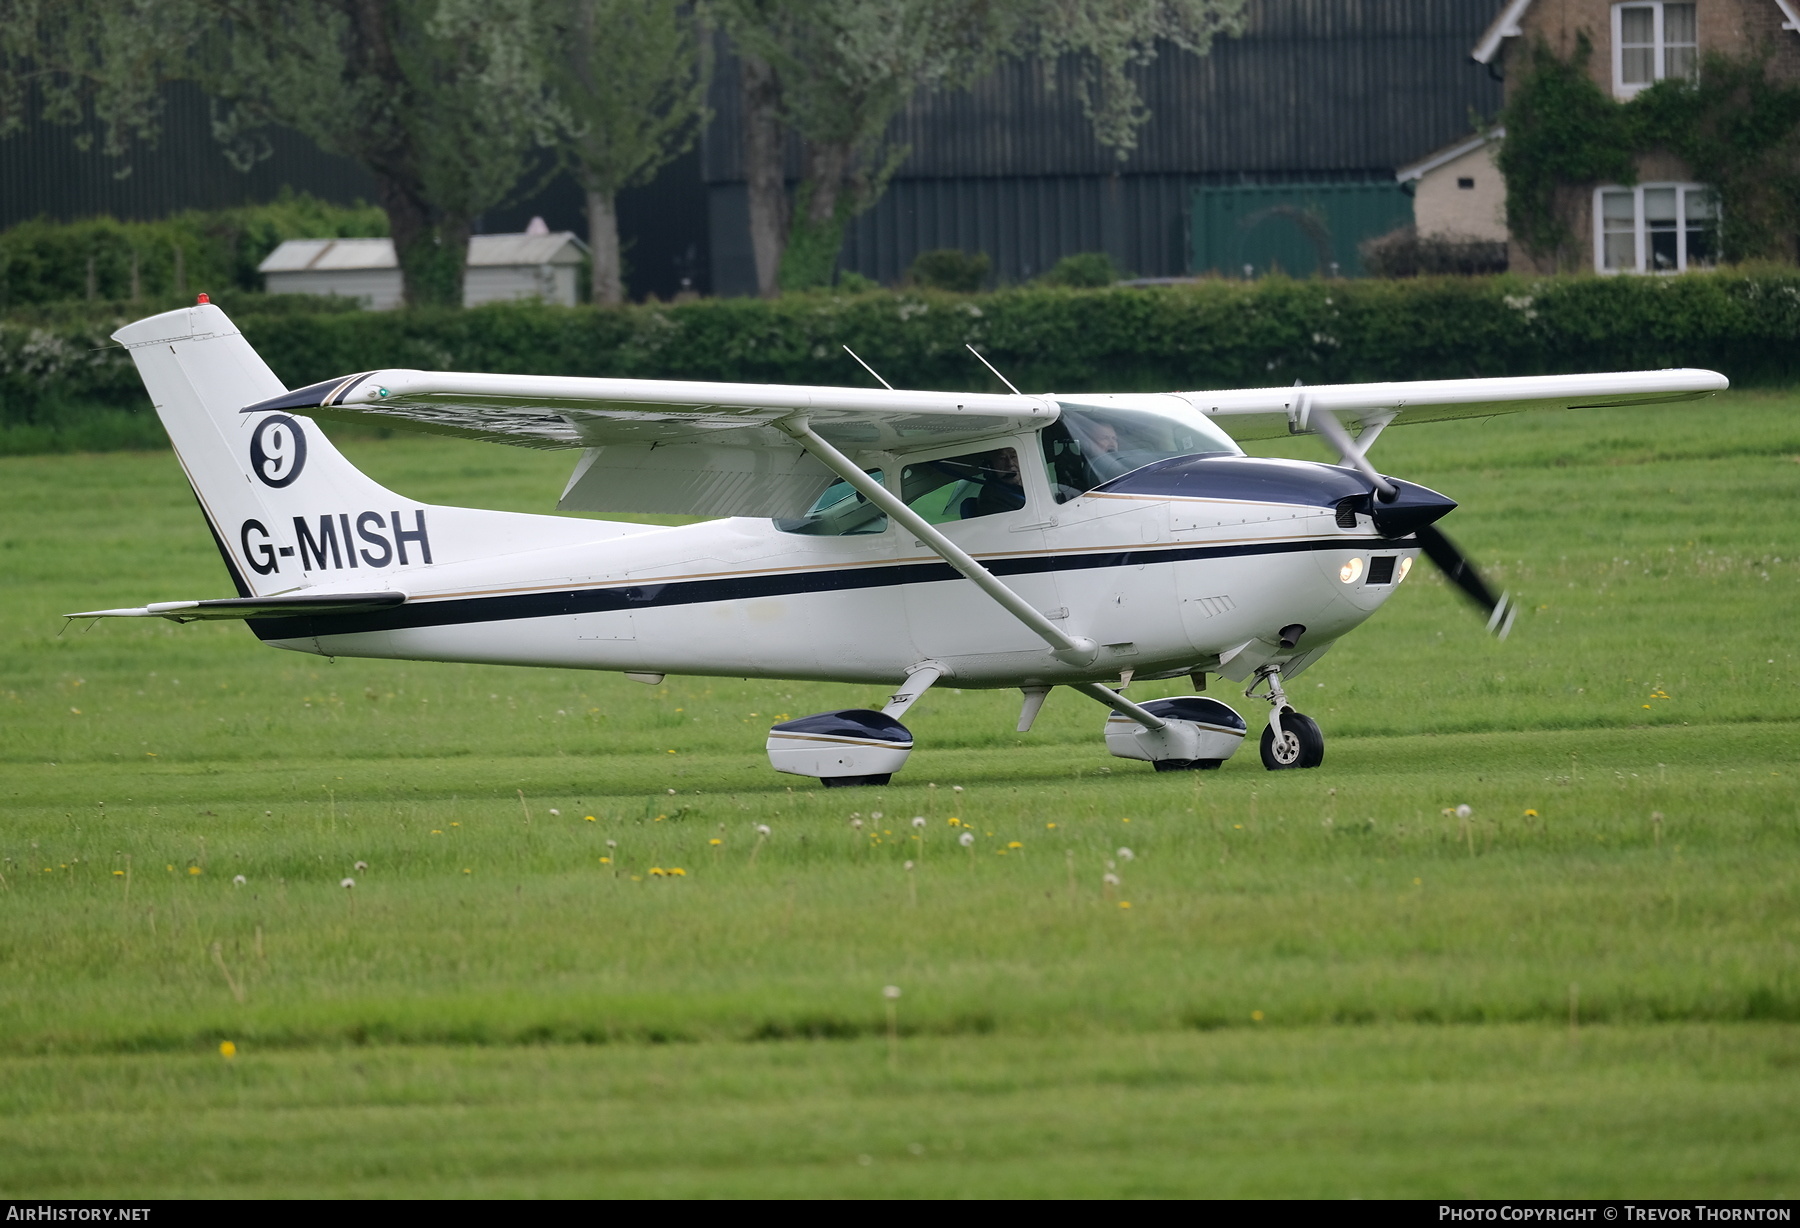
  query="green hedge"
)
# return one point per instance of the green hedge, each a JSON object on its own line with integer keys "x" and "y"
{"x": 1209, "y": 335}
{"x": 47, "y": 262}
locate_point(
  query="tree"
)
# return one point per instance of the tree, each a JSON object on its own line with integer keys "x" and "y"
{"x": 837, "y": 72}
{"x": 441, "y": 101}
{"x": 628, "y": 80}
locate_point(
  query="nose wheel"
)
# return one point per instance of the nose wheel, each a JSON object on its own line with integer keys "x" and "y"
{"x": 1291, "y": 739}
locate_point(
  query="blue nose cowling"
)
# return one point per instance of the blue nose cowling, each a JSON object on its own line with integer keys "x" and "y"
{"x": 1412, "y": 508}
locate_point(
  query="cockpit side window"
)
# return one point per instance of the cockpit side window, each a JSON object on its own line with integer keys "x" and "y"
{"x": 839, "y": 512}
{"x": 1087, "y": 447}
{"x": 964, "y": 487}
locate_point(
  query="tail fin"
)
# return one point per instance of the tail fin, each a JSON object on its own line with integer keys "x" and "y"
{"x": 286, "y": 507}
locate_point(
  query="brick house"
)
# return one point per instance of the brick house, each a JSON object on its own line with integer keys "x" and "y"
{"x": 1666, "y": 221}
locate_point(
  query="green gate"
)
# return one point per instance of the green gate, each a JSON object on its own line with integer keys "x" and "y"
{"x": 1301, "y": 229}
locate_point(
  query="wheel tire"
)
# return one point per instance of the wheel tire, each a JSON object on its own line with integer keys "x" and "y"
{"x": 852, "y": 782}
{"x": 1303, "y": 746}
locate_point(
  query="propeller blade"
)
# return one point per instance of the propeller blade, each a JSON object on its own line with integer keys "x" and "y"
{"x": 1461, "y": 572}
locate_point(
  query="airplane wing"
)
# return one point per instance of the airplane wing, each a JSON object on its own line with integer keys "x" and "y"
{"x": 1249, "y": 414}
{"x": 683, "y": 447}
{"x": 291, "y": 606}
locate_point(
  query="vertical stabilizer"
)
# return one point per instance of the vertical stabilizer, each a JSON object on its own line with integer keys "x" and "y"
{"x": 288, "y": 510}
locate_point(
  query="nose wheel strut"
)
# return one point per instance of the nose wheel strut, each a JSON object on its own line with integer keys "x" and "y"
{"x": 1291, "y": 740}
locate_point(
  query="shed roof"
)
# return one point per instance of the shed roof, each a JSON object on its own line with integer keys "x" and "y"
{"x": 329, "y": 255}
{"x": 341, "y": 255}
{"x": 1449, "y": 153}
{"x": 527, "y": 249}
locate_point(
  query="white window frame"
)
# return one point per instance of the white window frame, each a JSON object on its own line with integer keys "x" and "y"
{"x": 1660, "y": 44}
{"x": 1641, "y": 232}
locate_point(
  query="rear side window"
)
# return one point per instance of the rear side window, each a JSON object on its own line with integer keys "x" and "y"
{"x": 839, "y": 512}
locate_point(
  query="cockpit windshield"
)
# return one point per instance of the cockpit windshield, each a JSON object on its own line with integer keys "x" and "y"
{"x": 1091, "y": 445}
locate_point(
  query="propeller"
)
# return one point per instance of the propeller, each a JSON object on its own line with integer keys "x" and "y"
{"x": 1438, "y": 548}
{"x": 1461, "y": 572}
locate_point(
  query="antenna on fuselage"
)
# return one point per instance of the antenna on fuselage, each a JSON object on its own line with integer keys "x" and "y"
{"x": 990, "y": 366}
{"x": 868, "y": 368}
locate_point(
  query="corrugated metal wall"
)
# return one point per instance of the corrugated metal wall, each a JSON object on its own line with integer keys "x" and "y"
{"x": 1310, "y": 85}
{"x": 43, "y": 173}
{"x": 1315, "y": 90}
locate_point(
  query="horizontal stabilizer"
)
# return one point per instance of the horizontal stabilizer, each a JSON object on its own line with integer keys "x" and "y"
{"x": 293, "y": 605}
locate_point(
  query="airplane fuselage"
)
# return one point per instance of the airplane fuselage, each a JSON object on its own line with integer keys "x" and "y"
{"x": 1164, "y": 583}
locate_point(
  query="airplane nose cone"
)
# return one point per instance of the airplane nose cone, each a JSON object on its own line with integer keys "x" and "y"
{"x": 1413, "y": 507}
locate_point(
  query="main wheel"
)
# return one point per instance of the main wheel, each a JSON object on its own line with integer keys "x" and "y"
{"x": 1301, "y": 744}
{"x": 852, "y": 782}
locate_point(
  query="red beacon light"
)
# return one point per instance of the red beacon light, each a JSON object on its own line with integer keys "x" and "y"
{"x": 202, "y": 298}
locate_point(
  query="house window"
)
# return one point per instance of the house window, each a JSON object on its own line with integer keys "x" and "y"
{"x": 1653, "y": 40}
{"x": 1655, "y": 228}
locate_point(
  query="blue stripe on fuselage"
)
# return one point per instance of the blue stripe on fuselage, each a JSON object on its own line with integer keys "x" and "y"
{"x": 651, "y": 594}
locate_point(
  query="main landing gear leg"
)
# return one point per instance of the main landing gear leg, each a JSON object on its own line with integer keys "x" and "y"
{"x": 1291, "y": 740}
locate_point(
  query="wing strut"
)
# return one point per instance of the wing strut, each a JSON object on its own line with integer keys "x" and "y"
{"x": 1069, "y": 649}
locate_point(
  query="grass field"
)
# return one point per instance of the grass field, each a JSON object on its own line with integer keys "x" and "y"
{"x": 1304, "y": 983}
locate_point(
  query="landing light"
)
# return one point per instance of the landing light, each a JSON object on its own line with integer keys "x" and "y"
{"x": 1405, "y": 566}
{"x": 1350, "y": 572}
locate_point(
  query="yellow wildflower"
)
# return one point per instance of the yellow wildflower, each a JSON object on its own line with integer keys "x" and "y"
{"x": 715, "y": 840}
{"x": 678, "y": 872}
{"x": 1257, "y": 1015}
{"x": 227, "y": 1050}
{"x": 606, "y": 861}
{"x": 1015, "y": 845}
{"x": 658, "y": 872}
{"x": 193, "y": 869}
{"x": 590, "y": 818}
{"x": 1531, "y": 814}
{"x": 1124, "y": 903}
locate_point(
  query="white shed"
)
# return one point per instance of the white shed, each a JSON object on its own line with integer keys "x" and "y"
{"x": 501, "y": 268}
{"x": 1460, "y": 192}
{"x": 362, "y": 269}
{"x": 540, "y": 266}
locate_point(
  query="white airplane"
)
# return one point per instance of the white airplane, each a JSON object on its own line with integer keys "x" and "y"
{"x": 870, "y": 535}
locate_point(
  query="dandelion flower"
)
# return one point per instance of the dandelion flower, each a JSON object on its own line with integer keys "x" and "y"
{"x": 612, "y": 844}
{"x": 891, "y": 992}
{"x": 918, "y": 820}
{"x": 715, "y": 840}
{"x": 678, "y": 872}
{"x": 875, "y": 815}
{"x": 1464, "y": 811}
{"x": 456, "y": 824}
{"x": 237, "y": 880}
{"x": 1050, "y": 826}
{"x": 955, "y": 822}
{"x": 556, "y": 812}
{"x": 118, "y": 874}
{"x": 1257, "y": 1015}
{"x": 657, "y": 872}
{"x": 1530, "y": 813}
{"x": 1124, "y": 903}
{"x": 909, "y": 865}
{"x": 956, "y": 788}
{"x": 590, "y": 818}
{"x": 1111, "y": 880}
{"x": 1014, "y": 844}
{"x": 347, "y": 883}
{"x": 1418, "y": 882}
{"x": 193, "y": 869}
{"x": 605, "y": 861}
{"x": 361, "y": 865}
{"x": 1125, "y": 854}
{"x": 227, "y": 1050}
{"x": 466, "y": 870}
{"x": 966, "y": 839}
{"x": 437, "y": 831}
{"x": 762, "y": 829}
